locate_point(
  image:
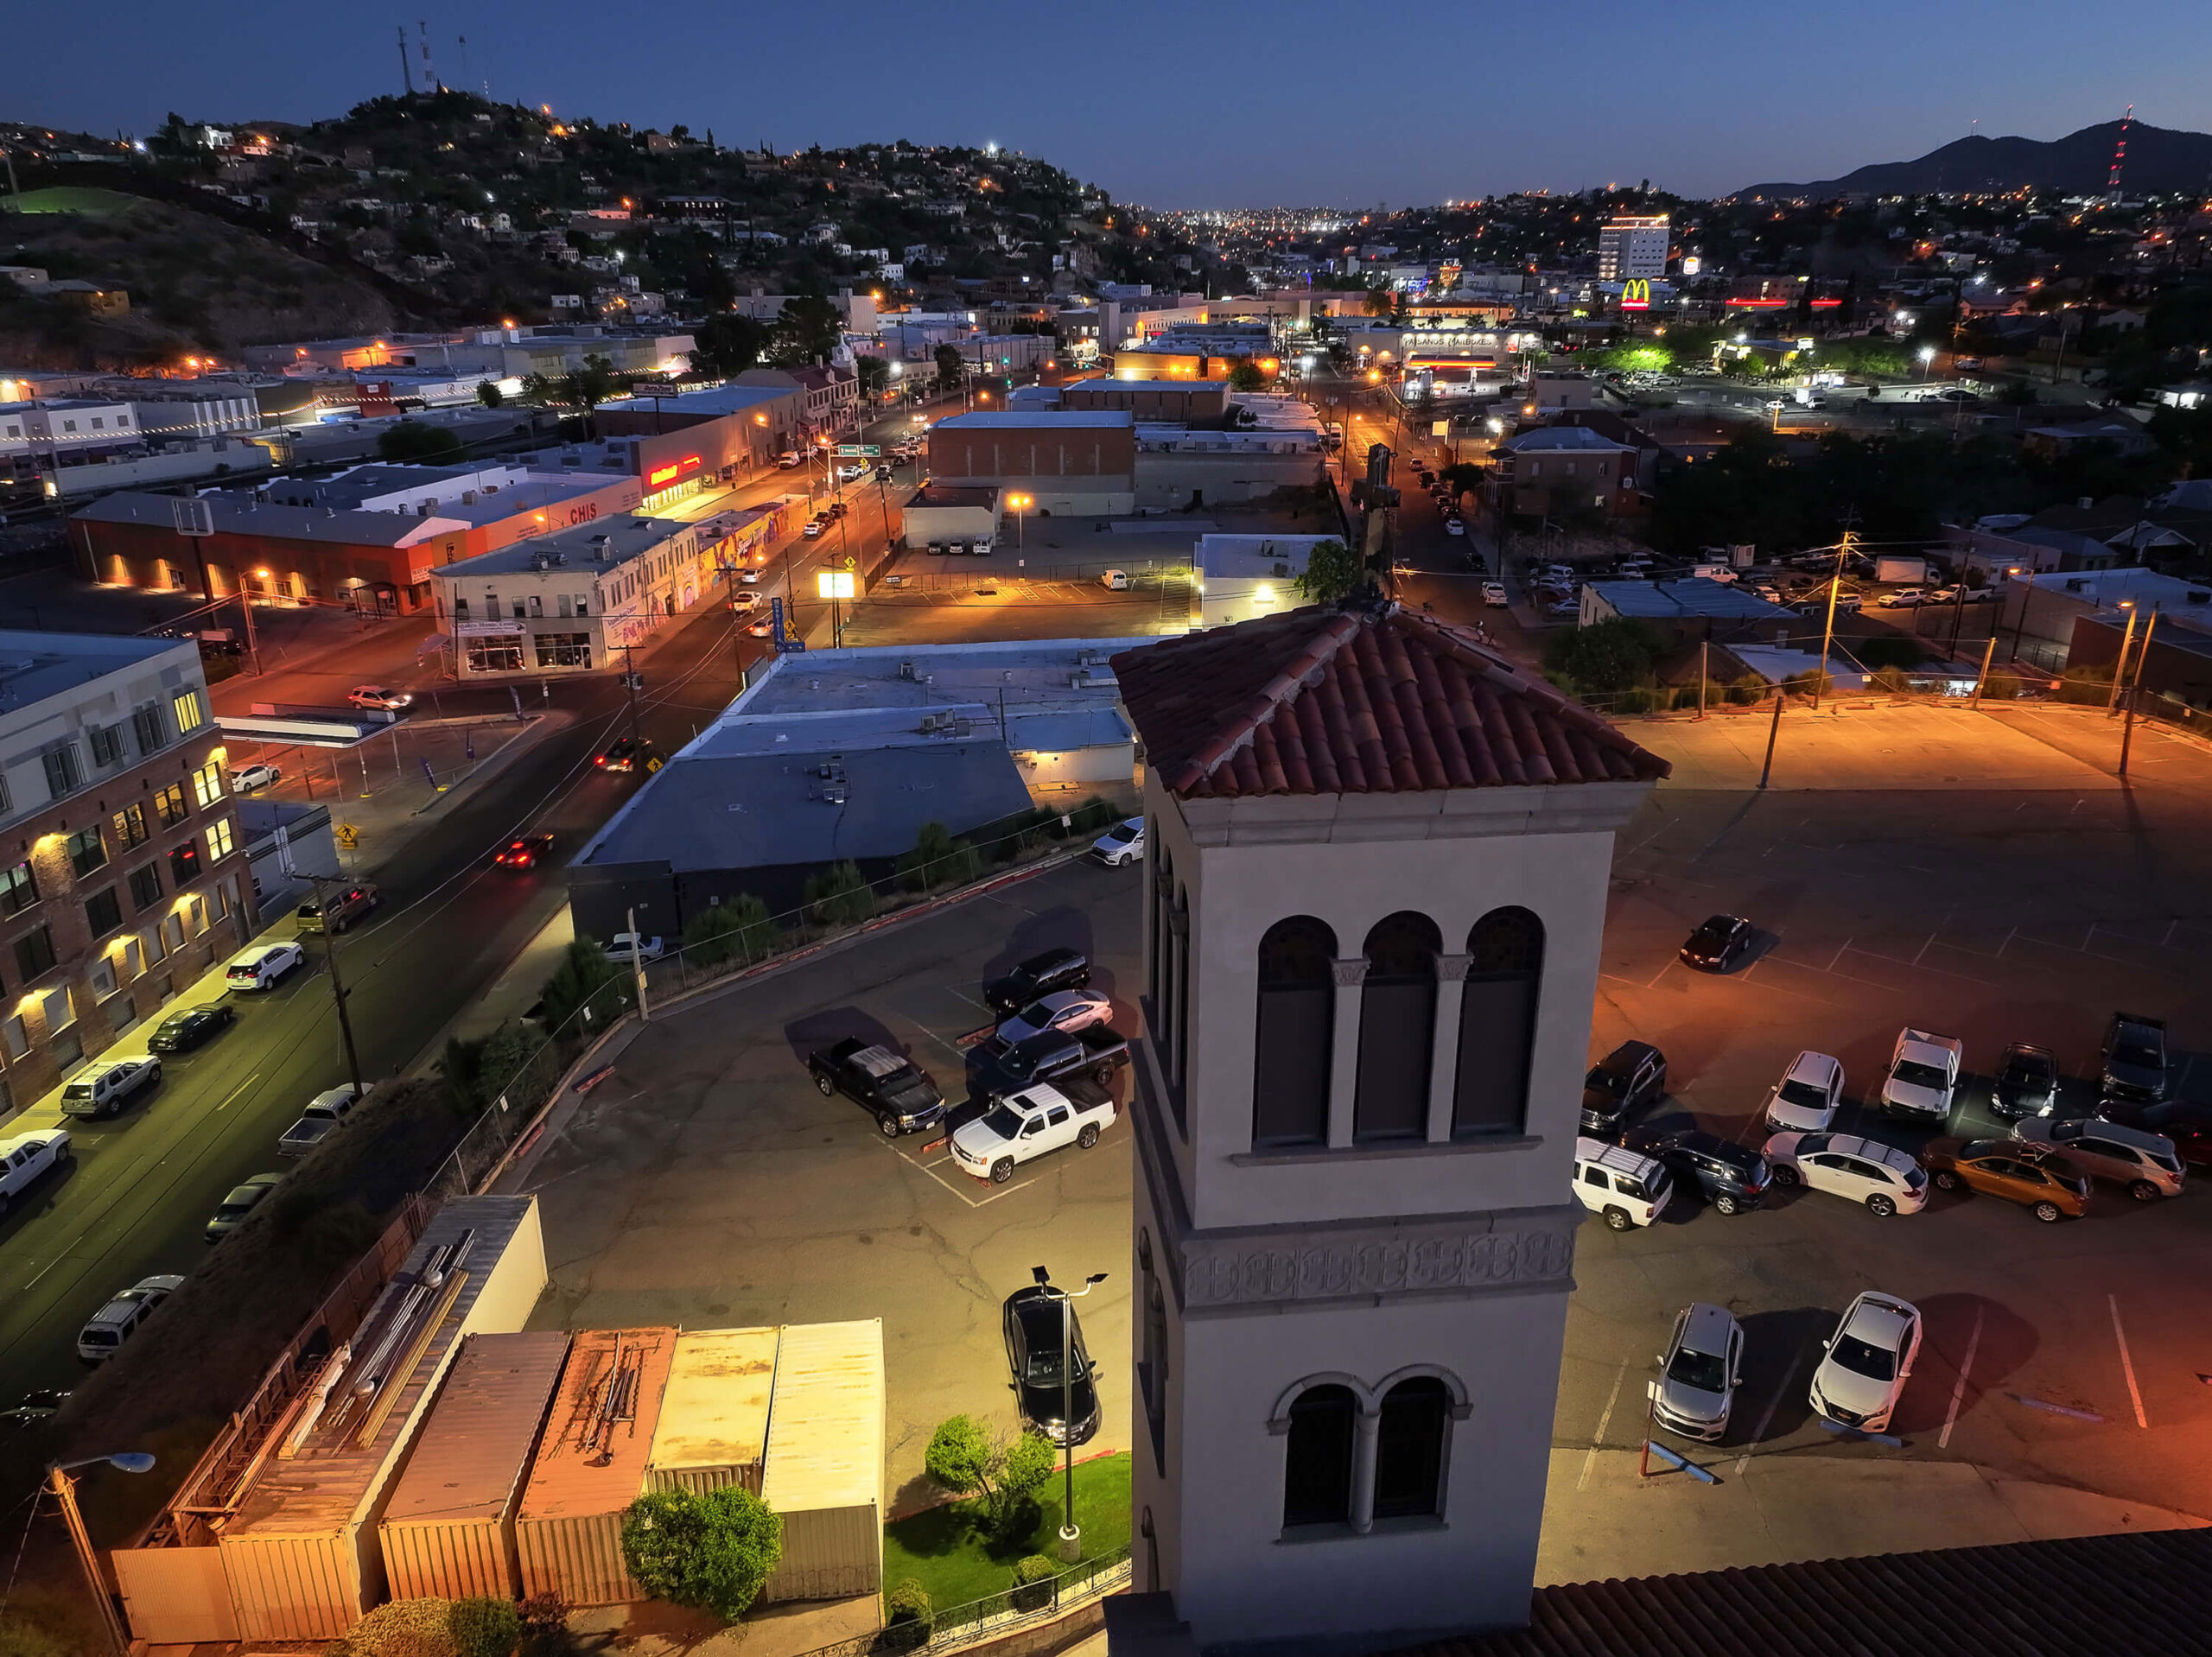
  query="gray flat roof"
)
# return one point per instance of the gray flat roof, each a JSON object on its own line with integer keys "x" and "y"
{"x": 951, "y": 495}
{"x": 1696, "y": 596}
{"x": 1043, "y": 419}
{"x": 626, "y": 538}
{"x": 710, "y": 400}
{"x": 767, "y": 810}
{"x": 245, "y": 516}
{"x": 36, "y": 666}
{"x": 944, "y": 676}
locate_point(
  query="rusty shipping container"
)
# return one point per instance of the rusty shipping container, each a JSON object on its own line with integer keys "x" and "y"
{"x": 713, "y": 1417}
{"x": 299, "y": 1551}
{"x": 591, "y": 1465}
{"x": 449, "y": 1531}
{"x": 824, "y": 1471}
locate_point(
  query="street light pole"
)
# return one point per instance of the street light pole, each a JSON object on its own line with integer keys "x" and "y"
{"x": 63, "y": 1488}
{"x": 338, "y": 989}
{"x": 1070, "y": 1533}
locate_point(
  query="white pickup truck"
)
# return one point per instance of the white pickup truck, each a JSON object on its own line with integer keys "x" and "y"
{"x": 1923, "y": 1076}
{"x": 27, "y": 1156}
{"x": 1019, "y": 1126}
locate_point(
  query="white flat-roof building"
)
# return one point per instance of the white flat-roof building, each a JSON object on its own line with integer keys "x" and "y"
{"x": 1632, "y": 246}
{"x": 1243, "y": 577}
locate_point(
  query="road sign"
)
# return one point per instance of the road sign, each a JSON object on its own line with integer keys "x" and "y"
{"x": 785, "y": 644}
{"x": 348, "y": 835}
{"x": 859, "y": 451}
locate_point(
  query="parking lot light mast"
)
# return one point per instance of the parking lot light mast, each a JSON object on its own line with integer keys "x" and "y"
{"x": 1071, "y": 1533}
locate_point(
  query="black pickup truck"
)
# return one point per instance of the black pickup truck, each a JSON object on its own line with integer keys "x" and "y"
{"x": 893, "y": 1088}
{"x": 1096, "y": 1052}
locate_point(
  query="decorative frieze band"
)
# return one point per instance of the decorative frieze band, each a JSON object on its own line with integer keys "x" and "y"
{"x": 1451, "y": 1257}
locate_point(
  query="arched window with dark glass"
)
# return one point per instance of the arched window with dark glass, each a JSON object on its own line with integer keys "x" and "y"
{"x": 1317, "y": 1463}
{"x": 1497, "y": 1023}
{"x": 1293, "y": 1030}
{"x": 1409, "y": 1448}
{"x": 1397, "y": 1027}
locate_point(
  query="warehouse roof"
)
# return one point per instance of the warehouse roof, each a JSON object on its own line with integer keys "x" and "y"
{"x": 234, "y": 514}
{"x": 621, "y": 538}
{"x": 1364, "y": 698}
{"x": 1698, "y": 595}
{"x": 1036, "y": 419}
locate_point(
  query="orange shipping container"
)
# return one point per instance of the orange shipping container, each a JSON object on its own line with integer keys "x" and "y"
{"x": 591, "y": 1465}
{"x": 448, "y": 1532}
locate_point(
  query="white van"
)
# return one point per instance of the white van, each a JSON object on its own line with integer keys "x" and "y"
{"x": 1114, "y": 580}
{"x": 1711, "y": 572}
{"x": 1626, "y": 1190}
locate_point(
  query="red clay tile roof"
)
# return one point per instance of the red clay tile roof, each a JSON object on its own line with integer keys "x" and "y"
{"x": 1357, "y": 700}
{"x": 2083, "y": 1596}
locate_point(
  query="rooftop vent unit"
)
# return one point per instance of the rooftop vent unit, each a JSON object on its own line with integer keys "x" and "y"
{"x": 833, "y": 794}
{"x": 1086, "y": 659}
{"x": 1082, "y": 680}
{"x": 558, "y": 557}
{"x": 906, "y": 671}
{"x": 1282, "y": 571}
{"x": 2075, "y": 585}
{"x": 468, "y": 498}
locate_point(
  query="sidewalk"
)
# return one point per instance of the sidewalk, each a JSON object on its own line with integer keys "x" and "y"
{"x": 510, "y": 996}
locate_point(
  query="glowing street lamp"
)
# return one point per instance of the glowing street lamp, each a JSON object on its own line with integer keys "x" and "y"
{"x": 1021, "y": 504}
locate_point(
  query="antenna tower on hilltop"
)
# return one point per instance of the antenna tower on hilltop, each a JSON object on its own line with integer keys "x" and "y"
{"x": 406, "y": 70}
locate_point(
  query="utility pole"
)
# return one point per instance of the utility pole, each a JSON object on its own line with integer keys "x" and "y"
{"x": 1828, "y": 633}
{"x": 630, "y": 694}
{"x": 2135, "y": 693}
{"x": 63, "y": 1488}
{"x": 1704, "y": 650}
{"x": 1772, "y": 731}
{"x": 338, "y": 989}
{"x": 1988, "y": 651}
{"x": 637, "y": 965}
{"x": 2120, "y": 666}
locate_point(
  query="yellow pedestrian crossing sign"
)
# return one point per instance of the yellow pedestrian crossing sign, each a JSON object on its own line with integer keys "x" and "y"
{"x": 348, "y": 835}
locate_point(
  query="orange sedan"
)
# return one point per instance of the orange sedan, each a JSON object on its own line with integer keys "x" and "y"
{"x": 2049, "y": 1187}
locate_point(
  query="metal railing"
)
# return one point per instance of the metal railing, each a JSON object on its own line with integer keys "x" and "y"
{"x": 995, "y": 1614}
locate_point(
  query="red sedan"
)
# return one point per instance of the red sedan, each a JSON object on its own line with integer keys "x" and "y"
{"x": 524, "y": 853}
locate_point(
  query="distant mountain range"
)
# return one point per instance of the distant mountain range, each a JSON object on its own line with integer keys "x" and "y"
{"x": 2159, "y": 160}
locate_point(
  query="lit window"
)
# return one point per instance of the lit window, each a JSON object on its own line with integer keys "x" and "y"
{"x": 188, "y": 715}
{"x": 168, "y": 805}
{"x": 208, "y": 784}
{"x": 219, "y": 840}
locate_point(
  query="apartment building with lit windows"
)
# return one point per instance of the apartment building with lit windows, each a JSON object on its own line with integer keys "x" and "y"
{"x": 122, "y": 872}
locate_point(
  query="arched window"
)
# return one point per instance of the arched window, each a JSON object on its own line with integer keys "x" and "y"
{"x": 1409, "y": 1448}
{"x": 1316, "y": 1465}
{"x": 1293, "y": 1030}
{"x": 1497, "y": 1023}
{"x": 1397, "y": 1024}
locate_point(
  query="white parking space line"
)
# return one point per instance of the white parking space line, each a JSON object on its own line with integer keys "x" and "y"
{"x": 1766, "y": 1415}
{"x": 1959, "y": 1387}
{"x": 2126, "y": 1363}
{"x": 1604, "y": 1420}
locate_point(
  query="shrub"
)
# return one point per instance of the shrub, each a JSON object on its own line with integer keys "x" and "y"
{"x": 1892, "y": 653}
{"x": 1635, "y": 700}
{"x": 715, "y": 1551}
{"x": 2001, "y": 686}
{"x": 839, "y": 895}
{"x": 968, "y": 1459}
{"x": 1033, "y": 1579}
{"x": 1747, "y": 690}
{"x": 1093, "y": 816}
{"x": 909, "y": 1617}
{"x": 1611, "y": 655}
{"x": 405, "y": 1627}
{"x": 937, "y": 860}
{"x": 743, "y": 928}
{"x": 585, "y": 977}
{"x": 1892, "y": 679}
{"x": 483, "y": 1627}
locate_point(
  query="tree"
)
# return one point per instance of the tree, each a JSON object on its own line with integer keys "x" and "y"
{"x": 1379, "y": 302}
{"x": 951, "y": 367}
{"x": 585, "y": 978}
{"x": 807, "y": 330}
{"x": 1245, "y": 375}
{"x": 593, "y": 383}
{"x": 874, "y": 374}
{"x": 412, "y": 440}
{"x": 728, "y": 344}
{"x": 970, "y": 1459}
{"x": 741, "y": 926}
{"x": 1332, "y": 571}
{"x": 840, "y": 895}
{"x": 1607, "y": 656}
{"x": 715, "y": 1551}
{"x": 489, "y": 394}
{"x": 937, "y": 860}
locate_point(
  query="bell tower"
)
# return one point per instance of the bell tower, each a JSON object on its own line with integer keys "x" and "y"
{"x": 1377, "y": 868}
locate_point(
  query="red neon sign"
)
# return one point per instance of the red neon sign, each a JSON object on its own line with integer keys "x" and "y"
{"x": 1759, "y": 304}
{"x": 671, "y": 472}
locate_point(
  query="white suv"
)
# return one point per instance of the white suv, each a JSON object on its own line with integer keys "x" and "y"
{"x": 118, "y": 1320}
{"x": 1804, "y": 1101}
{"x": 1624, "y": 1189}
{"x": 1887, "y": 1180}
{"x": 263, "y": 966}
{"x": 1866, "y": 1362}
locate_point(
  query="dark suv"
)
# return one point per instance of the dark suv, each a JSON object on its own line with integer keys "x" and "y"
{"x": 1732, "y": 1179}
{"x": 1630, "y": 1077}
{"x": 1038, "y": 976}
{"x": 2027, "y": 1082}
{"x": 2133, "y": 1069}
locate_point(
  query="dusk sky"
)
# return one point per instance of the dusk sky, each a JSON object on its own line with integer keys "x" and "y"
{"x": 1188, "y": 104}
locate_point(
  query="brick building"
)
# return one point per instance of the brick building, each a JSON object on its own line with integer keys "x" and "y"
{"x": 1068, "y": 463}
{"x": 123, "y": 871}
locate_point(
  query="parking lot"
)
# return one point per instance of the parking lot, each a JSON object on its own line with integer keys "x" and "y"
{"x": 708, "y": 1183}
{"x": 2060, "y": 1387}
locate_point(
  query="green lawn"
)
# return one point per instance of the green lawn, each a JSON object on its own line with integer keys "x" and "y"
{"x": 941, "y": 1549}
{"x": 69, "y": 198}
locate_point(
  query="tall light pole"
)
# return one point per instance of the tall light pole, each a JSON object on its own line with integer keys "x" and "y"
{"x": 63, "y": 1488}
{"x": 1071, "y": 1533}
{"x": 1020, "y": 504}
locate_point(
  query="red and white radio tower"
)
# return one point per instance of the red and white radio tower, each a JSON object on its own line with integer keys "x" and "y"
{"x": 2120, "y": 155}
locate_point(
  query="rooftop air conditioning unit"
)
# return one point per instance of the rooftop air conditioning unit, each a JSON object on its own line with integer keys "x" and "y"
{"x": 833, "y": 793}
{"x": 906, "y": 671}
{"x": 1282, "y": 572}
{"x": 2075, "y": 585}
{"x": 1080, "y": 680}
{"x": 468, "y": 498}
{"x": 1086, "y": 659}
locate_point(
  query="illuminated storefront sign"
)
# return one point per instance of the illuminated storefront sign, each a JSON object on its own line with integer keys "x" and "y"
{"x": 1635, "y": 295}
{"x": 661, "y": 476}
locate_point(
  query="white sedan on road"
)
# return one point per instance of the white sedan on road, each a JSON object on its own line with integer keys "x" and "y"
{"x": 1494, "y": 595}
{"x": 1866, "y": 1362}
{"x": 246, "y": 778}
{"x": 1887, "y": 1180}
